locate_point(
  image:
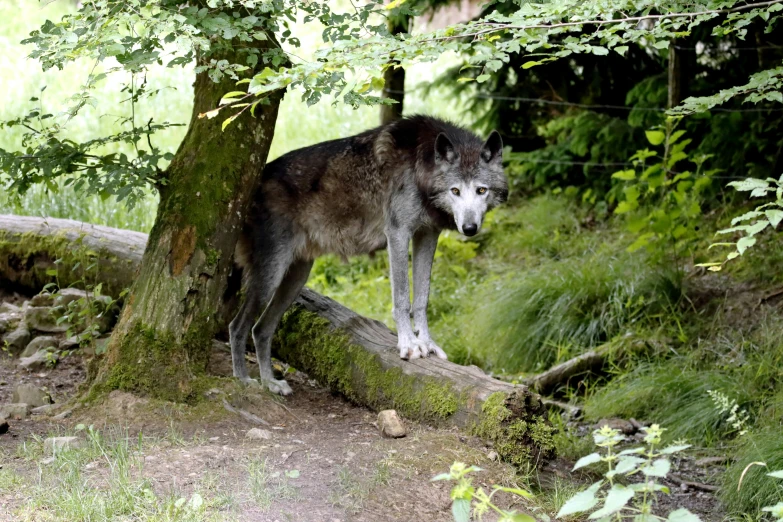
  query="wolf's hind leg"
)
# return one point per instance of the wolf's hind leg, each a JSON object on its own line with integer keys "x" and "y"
{"x": 265, "y": 328}
{"x": 270, "y": 264}
{"x": 425, "y": 241}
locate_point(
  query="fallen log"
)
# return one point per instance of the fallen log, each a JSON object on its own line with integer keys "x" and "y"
{"x": 547, "y": 382}
{"x": 36, "y": 251}
{"x": 351, "y": 354}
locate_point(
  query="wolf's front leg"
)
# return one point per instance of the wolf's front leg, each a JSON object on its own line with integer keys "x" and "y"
{"x": 410, "y": 347}
{"x": 425, "y": 241}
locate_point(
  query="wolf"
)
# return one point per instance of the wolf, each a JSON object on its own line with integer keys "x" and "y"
{"x": 397, "y": 184}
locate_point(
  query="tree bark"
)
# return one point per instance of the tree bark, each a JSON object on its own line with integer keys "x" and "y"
{"x": 394, "y": 79}
{"x": 161, "y": 344}
{"x": 353, "y": 355}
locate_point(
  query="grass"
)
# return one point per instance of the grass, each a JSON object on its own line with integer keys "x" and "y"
{"x": 757, "y": 490}
{"x": 267, "y": 487}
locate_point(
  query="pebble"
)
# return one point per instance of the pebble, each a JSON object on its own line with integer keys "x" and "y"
{"x": 390, "y": 424}
{"x": 44, "y": 342}
{"x": 258, "y": 434}
{"x": 492, "y": 455}
{"x": 14, "y": 410}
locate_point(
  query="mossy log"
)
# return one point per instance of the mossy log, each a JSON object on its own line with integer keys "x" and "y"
{"x": 357, "y": 357}
{"x": 351, "y": 354}
{"x": 30, "y": 247}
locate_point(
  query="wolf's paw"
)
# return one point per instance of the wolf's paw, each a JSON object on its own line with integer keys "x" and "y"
{"x": 413, "y": 349}
{"x": 279, "y": 387}
{"x": 434, "y": 348}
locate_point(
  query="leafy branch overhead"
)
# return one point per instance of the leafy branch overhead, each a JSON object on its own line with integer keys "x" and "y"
{"x": 129, "y": 37}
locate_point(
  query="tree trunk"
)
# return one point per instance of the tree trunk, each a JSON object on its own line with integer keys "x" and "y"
{"x": 161, "y": 344}
{"x": 353, "y": 355}
{"x": 394, "y": 79}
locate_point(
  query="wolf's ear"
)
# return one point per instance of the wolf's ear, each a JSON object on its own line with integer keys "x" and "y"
{"x": 444, "y": 149}
{"x": 493, "y": 148}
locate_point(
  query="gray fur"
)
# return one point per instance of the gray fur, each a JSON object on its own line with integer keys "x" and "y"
{"x": 399, "y": 183}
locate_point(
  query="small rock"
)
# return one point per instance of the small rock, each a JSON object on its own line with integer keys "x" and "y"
{"x": 40, "y": 343}
{"x": 43, "y": 319}
{"x": 71, "y": 343}
{"x": 47, "y": 461}
{"x": 492, "y": 455}
{"x": 621, "y": 425}
{"x": 17, "y": 340}
{"x": 32, "y": 395}
{"x": 3, "y": 426}
{"x": 42, "y": 299}
{"x": 68, "y": 295}
{"x": 391, "y": 425}
{"x": 46, "y": 409}
{"x": 63, "y": 415}
{"x": 38, "y": 360}
{"x": 8, "y": 308}
{"x": 92, "y": 465}
{"x": 714, "y": 461}
{"x": 54, "y": 444}
{"x": 258, "y": 434}
{"x": 14, "y": 410}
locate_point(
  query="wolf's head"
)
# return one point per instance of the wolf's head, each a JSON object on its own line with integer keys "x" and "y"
{"x": 468, "y": 180}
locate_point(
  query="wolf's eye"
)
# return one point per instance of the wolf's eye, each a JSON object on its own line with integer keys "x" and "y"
{"x": 455, "y": 191}
{"x": 481, "y": 190}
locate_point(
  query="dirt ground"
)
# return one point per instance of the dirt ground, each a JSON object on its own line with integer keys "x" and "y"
{"x": 319, "y": 458}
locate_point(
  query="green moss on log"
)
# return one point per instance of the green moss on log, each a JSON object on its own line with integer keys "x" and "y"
{"x": 308, "y": 341}
{"x": 516, "y": 439}
{"x": 29, "y": 259}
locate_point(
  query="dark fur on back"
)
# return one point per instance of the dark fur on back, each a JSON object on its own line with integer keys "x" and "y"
{"x": 336, "y": 190}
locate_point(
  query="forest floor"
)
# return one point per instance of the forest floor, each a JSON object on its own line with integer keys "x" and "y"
{"x": 311, "y": 457}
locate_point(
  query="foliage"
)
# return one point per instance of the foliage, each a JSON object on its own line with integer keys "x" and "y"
{"x": 663, "y": 200}
{"x": 466, "y": 499}
{"x": 651, "y": 462}
{"x": 553, "y": 312}
{"x": 746, "y": 486}
{"x": 768, "y": 215}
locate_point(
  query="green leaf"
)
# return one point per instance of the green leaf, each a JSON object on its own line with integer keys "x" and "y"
{"x": 658, "y": 468}
{"x": 460, "y": 510}
{"x": 621, "y": 49}
{"x": 442, "y": 476}
{"x": 625, "y": 175}
{"x": 745, "y": 243}
{"x": 482, "y": 78}
{"x": 776, "y": 474}
{"x": 749, "y": 184}
{"x": 228, "y": 121}
{"x": 627, "y": 464}
{"x": 674, "y": 449}
{"x": 528, "y": 65}
{"x": 515, "y": 491}
{"x": 655, "y": 137}
{"x": 581, "y": 502}
{"x": 599, "y": 51}
{"x": 775, "y": 216}
{"x": 682, "y": 515}
{"x": 616, "y": 499}
{"x": 587, "y": 460}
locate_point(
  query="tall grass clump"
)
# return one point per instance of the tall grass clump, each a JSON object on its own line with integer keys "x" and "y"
{"x": 757, "y": 489}
{"x": 558, "y": 309}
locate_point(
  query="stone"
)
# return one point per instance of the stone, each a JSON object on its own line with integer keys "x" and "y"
{"x": 38, "y": 361}
{"x": 63, "y": 415}
{"x": 621, "y": 425}
{"x": 44, "y": 342}
{"x": 71, "y": 343}
{"x": 17, "y": 340}
{"x": 14, "y": 410}
{"x": 258, "y": 434}
{"x": 32, "y": 395}
{"x": 3, "y": 426}
{"x": 55, "y": 444}
{"x": 492, "y": 455}
{"x": 391, "y": 425}
{"x": 46, "y": 409}
{"x": 43, "y": 319}
{"x": 8, "y": 308}
{"x": 69, "y": 295}
{"x": 42, "y": 299}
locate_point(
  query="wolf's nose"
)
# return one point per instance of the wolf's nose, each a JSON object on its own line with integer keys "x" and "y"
{"x": 470, "y": 230}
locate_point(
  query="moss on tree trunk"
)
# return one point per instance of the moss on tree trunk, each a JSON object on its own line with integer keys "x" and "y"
{"x": 161, "y": 344}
